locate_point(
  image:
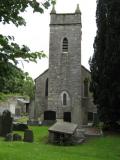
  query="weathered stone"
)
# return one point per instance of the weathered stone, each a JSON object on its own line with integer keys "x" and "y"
{"x": 6, "y": 123}
{"x": 62, "y": 133}
{"x": 66, "y": 82}
{"x": 28, "y": 136}
{"x": 17, "y": 137}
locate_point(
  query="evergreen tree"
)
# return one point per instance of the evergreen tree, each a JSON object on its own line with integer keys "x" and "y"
{"x": 105, "y": 63}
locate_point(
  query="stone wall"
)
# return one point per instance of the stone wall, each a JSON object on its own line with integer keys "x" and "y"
{"x": 13, "y": 106}
{"x": 65, "y": 67}
{"x": 10, "y": 104}
{"x": 41, "y": 101}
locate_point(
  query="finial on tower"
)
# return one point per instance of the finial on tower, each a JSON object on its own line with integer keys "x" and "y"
{"x": 53, "y": 11}
{"x": 77, "y": 9}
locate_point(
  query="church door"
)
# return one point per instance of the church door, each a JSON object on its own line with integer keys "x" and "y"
{"x": 67, "y": 116}
{"x": 49, "y": 115}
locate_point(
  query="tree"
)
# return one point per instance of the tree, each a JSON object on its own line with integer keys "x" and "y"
{"x": 10, "y": 13}
{"x": 12, "y": 79}
{"x": 105, "y": 63}
{"x": 28, "y": 86}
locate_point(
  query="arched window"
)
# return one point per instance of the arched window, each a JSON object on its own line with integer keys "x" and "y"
{"x": 46, "y": 87}
{"x": 86, "y": 88}
{"x": 64, "y": 99}
{"x": 65, "y": 45}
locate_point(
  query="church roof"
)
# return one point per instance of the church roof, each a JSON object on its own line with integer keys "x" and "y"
{"x": 85, "y": 68}
{"x": 42, "y": 74}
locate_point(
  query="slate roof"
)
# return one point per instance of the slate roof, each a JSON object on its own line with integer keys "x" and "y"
{"x": 63, "y": 127}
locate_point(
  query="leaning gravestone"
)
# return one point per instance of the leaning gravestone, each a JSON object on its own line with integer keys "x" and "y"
{"x": 28, "y": 136}
{"x": 6, "y": 123}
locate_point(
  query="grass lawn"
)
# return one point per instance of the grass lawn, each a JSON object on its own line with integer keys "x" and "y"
{"x": 102, "y": 148}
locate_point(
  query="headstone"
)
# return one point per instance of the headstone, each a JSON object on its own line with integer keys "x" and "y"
{"x": 6, "y": 123}
{"x": 28, "y": 136}
{"x": 17, "y": 137}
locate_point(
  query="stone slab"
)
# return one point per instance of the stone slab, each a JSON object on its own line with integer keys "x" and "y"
{"x": 63, "y": 127}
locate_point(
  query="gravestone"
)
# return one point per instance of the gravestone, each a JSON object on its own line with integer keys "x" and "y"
{"x": 9, "y": 137}
{"x": 6, "y": 123}
{"x": 28, "y": 136}
{"x": 17, "y": 137}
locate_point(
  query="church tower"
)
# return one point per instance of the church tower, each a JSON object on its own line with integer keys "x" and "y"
{"x": 64, "y": 93}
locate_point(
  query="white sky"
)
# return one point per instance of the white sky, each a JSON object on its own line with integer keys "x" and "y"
{"x": 36, "y": 33}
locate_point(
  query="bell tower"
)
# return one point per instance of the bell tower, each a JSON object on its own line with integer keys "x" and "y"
{"x": 64, "y": 95}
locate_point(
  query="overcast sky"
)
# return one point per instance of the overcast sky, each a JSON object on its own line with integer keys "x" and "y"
{"x": 36, "y": 33}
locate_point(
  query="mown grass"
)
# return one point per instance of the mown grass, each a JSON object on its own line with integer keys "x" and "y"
{"x": 102, "y": 148}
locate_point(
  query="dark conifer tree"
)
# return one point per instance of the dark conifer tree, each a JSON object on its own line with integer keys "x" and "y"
{"x": 105, "y": 63}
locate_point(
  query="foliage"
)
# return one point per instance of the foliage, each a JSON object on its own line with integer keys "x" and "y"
{"x": 10, "y": 12}
{"x": 107, "y": 147}
{"x": 14, "y": 80}
{"x": 28, "y": 86}
{"x": 22, "y": 119}
{"x": 4, "y": 97}
{"x": 105, "y": 62}
{"x": 11, "y": 78}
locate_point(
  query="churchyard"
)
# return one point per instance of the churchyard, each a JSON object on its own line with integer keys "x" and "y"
{"x": 99, "y": 148}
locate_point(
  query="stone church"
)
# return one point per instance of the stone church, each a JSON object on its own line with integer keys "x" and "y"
{"x": 62, "y": 91}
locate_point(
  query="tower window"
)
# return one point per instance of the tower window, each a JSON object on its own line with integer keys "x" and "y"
{"x": 65, "y": 45}
{"x": 64, "y": 99}
{"x": 46, "y": 87}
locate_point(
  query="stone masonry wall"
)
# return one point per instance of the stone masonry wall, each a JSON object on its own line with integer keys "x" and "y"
{"x": 40, "y": 99}
{"x": 65, "y": 68}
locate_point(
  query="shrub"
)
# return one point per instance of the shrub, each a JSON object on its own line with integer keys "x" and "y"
{"x": 20, "y": 127}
